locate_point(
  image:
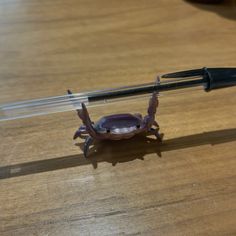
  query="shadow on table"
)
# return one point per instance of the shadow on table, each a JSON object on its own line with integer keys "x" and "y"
{"x": 119, "y": 151}
{"x": 225, "y": 8}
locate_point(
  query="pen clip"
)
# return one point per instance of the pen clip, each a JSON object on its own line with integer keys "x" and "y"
{"x": 184, "y": 74}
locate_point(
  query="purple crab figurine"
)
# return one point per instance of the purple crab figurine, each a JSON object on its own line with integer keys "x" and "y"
{"x": 117, "y": 126}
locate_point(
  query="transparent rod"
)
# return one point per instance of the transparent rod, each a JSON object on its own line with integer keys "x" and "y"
{"x": 71, "y": 102}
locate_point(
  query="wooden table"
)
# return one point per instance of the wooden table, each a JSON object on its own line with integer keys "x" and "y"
{"x": 185, "y": 186}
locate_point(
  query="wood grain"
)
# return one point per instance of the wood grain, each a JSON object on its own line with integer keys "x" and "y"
{"x": 185, "y": 186}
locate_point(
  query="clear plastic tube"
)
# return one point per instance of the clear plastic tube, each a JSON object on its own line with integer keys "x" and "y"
{"x": 56, "y": 104}
{"x": 71, "y": 102}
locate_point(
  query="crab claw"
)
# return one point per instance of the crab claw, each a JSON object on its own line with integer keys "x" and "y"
{"x": 77, "y": 134}
{"x": 81, "y": 132}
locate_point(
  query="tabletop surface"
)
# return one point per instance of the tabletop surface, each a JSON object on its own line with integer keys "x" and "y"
{"x": 184, "y": 186}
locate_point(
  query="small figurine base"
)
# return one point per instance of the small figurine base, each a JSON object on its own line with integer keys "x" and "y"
{"x": 117, "y": 126}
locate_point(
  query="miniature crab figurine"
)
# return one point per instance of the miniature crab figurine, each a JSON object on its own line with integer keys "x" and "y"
{"x": 117, "y": 126}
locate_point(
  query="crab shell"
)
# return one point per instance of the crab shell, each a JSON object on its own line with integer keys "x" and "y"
{"x": 120, "y": 126}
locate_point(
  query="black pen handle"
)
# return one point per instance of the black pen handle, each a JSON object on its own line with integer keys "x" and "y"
{"x": 219, "y": 78}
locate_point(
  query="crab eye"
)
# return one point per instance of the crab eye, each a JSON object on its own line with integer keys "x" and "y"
{"x": 138, "y": 126}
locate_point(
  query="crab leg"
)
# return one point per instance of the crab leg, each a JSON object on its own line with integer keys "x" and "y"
{"x": 155, "y": 124}
{"x": 157, "y": 134}
{"x": 88, "y": 141}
